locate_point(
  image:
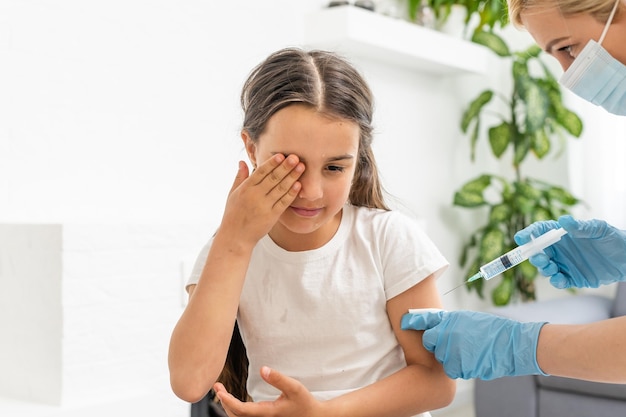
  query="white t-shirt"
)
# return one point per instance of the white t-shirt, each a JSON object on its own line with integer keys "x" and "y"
{"x": 320, "y": 316}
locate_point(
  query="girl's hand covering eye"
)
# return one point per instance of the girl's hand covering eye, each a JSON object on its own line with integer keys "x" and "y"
{"x": 257, "y": 200}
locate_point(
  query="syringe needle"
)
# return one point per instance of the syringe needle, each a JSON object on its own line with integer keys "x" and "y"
{"x": 458, "y": 286}
{"x": 470, "y": 279}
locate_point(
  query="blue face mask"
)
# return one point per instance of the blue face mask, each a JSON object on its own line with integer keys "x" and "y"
{"x": 598, "y": 77}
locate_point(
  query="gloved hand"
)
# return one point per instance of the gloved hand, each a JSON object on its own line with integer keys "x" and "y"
{"x": 592, "y": 253}
{"x": 470, "y": 344}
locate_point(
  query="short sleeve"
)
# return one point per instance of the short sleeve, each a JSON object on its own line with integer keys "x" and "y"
{"x": 198, "y": 266}
{"x": 409, "y": 255}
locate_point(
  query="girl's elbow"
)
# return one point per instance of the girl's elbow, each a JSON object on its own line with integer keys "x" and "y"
{"x": 186, "y": 391}
{"x": 447, "y": 391}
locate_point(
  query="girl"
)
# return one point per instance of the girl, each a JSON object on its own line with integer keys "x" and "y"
{"x": 310, "y": 262}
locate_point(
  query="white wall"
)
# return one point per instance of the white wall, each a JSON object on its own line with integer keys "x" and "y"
{"x": 119, "y": 139}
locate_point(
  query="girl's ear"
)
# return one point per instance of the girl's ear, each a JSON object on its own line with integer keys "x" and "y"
{"x": 250, "y": 147}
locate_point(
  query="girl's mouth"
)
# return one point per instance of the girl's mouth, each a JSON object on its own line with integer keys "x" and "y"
{"x": 306, "y": 212}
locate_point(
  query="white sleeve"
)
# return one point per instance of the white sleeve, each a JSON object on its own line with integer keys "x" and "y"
{"x": 198, "y": 266}
{"x": 410, "y": 255}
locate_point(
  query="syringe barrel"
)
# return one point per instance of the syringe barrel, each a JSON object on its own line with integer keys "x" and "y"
{"x": 501, "y": 264}
{"x": 521, "y": 253}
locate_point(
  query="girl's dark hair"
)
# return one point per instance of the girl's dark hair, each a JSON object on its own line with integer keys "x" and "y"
{"x": 331, "y": 85}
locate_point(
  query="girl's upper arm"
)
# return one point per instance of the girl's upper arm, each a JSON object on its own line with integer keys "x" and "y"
{"x": 422, "y": 295}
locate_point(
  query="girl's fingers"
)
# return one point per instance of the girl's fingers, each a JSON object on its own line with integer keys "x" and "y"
{"x": 285, "y": 199}
{"x": 267, "y": 168}
{"x": 281, "y": 179}
{"x": 242, "y": 174}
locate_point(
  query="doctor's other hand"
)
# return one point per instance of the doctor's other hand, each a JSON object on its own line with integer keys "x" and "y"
{"x": 471, "y": 344}
{"x": 592, "y": 253}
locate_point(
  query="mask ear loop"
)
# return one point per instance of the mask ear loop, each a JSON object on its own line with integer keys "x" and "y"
{"x": 608, "y": 22}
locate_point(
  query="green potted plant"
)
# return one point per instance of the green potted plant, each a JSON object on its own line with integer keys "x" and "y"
{"x": 530, "y": 116}
{"x": 489, "y": 12}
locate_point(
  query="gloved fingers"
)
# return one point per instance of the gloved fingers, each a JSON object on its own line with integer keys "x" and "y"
{"x": 523, "y": 236}
{"x": 550, "y": 270}
{"x": 539, "y": 260}
{"x": 536, "y": 229}
{"x": 544, "y": 264}
{"x": 583, "y": 228}
{"x": 421, "y": 321}
{"x": 559, "y": 281}
{"x": 429, "y": 340}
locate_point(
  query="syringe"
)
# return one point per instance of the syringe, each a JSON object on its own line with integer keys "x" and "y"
{"x": 516, "y": 256}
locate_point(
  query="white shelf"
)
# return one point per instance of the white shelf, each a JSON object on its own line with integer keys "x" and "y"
{"x": 355, "y": 31}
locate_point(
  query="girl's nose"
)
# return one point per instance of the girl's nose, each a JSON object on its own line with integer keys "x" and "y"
{"x": 311, "y": 186}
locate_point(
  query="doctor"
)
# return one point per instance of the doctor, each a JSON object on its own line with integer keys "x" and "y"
{"x": 588, "y": 38}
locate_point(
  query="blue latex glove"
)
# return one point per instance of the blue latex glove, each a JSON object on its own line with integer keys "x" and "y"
{"x": 470, "y": 344}
{"x": 592, "y": 253}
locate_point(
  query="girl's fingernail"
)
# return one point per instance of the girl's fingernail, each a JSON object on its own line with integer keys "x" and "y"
{"x": 265, "y": 371}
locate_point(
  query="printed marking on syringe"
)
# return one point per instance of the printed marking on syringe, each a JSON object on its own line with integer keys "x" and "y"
{"x": 501, "y": 264}
{"x": 505, "y": 261}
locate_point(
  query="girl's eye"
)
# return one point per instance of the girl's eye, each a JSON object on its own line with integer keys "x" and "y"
{"x": 335, "y": 168}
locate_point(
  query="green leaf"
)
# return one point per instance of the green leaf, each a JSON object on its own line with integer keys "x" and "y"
{"x": 527, "y": 190}
{"x": 571, "y": 122}
{"x": 500, "y": 213}
{"x": 520, "y": 70}
{"x": 540, "y": 143}
{"x": 522, "y": 146}
{"x": 473, "y": 111}
{"x": 499, "y": 138}
{"x": 471, "y": 194}
{"x": 537, "y": 104}
{"x": 525, "y": 205}
{"x": 527, "y": 270}
{"x": 563, "y": 196}
{"x": 466, "y": 199}
{"x": 540, "y": 214}
{"x": 532, "y": 51}
{"x": 477, "y": 285}
{"x": 492, "y": 244}
{"x": 554, "y": 96}
{"x": 491, "y": 41}
{"x": 501, "y": 295}
{"x": 413, "y": 8}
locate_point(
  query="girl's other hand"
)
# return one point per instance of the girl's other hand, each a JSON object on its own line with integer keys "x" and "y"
{"x": 294, "y": 401}
{"x": 257, "y": 200}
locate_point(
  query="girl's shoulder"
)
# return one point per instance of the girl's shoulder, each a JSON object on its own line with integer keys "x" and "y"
{"x": 380, "y": 217}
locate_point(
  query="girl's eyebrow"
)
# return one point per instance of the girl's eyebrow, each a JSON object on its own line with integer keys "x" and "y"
{"x": 330, "y": 159}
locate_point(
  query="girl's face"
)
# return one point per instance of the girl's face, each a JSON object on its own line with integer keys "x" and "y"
{"x": 565, "y": 37}
{"x": 329, "y": 148}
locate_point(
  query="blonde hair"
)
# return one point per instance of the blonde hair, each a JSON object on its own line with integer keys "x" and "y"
{"x": 599, "y": 9}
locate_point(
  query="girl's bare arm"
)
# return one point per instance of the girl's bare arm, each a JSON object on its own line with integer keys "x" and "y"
{"x": 200, "y": 340}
